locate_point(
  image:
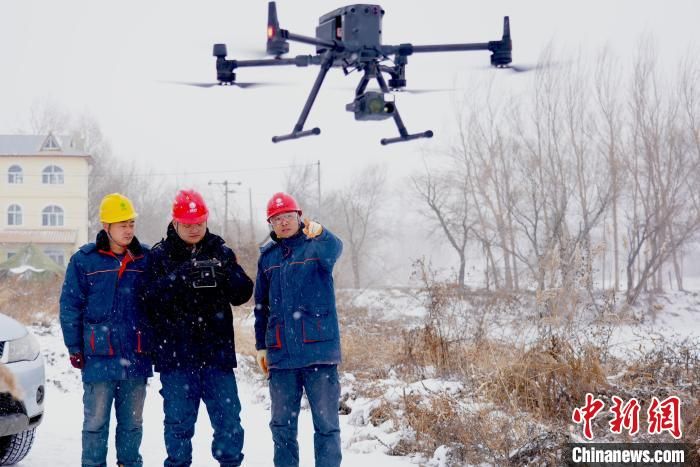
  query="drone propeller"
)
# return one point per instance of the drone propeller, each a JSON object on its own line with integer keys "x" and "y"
{"x": 420, "y": 91}
{"x": 398, "y": 91}
{"x": 212, "y": 85}
{"x": 521, "y": 68}
{"x": 516, "y": 68}
{"x": 529, "y": 68}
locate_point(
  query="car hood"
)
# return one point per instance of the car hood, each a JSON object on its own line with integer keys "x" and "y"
{"x": 10, "y": 329}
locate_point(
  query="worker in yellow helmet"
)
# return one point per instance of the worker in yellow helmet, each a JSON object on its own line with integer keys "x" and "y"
{"x": 105, "y": 331}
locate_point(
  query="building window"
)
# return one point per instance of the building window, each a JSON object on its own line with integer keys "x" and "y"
{"x": 56, "y": 255}
{"x": 52, "y": 216}
{"x": 10, "y": 254}
{"x": 14, "y": 174}
{"x": 14, "y": 215}
{"x": 52, "y": 175}
{"x": 50, "y": 144}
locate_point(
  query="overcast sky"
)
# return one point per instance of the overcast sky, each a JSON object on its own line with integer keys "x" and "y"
{"x": 109, "y": 59}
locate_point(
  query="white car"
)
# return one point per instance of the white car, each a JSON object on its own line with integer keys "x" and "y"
{"x": 19, "y": 352}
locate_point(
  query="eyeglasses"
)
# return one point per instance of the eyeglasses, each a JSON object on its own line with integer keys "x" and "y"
{"x": 280, "y": 218}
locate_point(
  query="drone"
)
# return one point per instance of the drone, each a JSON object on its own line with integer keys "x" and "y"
{"x": 350, "y": 38}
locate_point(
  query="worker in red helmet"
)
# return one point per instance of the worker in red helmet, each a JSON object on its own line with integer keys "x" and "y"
{"x": 192, "y": 279}
{"x": 296, "y": 330}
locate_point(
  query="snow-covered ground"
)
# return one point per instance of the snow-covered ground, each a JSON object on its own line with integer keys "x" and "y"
{"x": 58, "y": 438}
{"x": 671, "y": 317}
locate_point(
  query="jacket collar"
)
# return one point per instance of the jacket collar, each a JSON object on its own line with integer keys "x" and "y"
{"x": 209, "y": 242}
{"x": 102, "y": 243}
{"x": 289, "y": 243}
{"x": 294, "y": 240}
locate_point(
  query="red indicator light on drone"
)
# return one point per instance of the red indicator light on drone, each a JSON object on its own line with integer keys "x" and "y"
{"x": 270, "y": 32}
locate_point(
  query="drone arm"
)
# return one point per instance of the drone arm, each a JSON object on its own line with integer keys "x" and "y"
{"x": 409, "y": 49}
{"x": 225, "y": 68}
{"x": 284, "y": 34}
{"x": 501, "y": 50}
{"x": 299, "y": 60}
{"x": 451, "y": 47}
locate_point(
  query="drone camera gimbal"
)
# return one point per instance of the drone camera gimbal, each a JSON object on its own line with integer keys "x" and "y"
{"x": 371, "y": 106}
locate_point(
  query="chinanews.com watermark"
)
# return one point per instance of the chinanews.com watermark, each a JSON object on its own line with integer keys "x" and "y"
{"x": 628, "y": 454}
{"x": 662, "y": 417}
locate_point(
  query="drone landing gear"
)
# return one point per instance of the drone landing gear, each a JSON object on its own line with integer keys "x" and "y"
{"x": 299, "y": 131}
{"x": 407, "y": 137}
{"x": 296, "y": 135}
{"x": 373, "y": 71}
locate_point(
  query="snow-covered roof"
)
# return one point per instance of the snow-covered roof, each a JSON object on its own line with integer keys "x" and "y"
{"x": 38, "y": 236}
{"x": 39, "y": 145}
{"x": 30, "y": 261}
{"x": 24, "y": 268}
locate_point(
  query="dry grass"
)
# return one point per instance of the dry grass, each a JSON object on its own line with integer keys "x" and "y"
{"x": 8, "y": 383}
{"x": 369, "y": 346}
{"x": 692, "y": 433}
{"x": 30, "y": 301}
{"x": 670, "y": 364}
{"x": 485, "y": 435}
{"x": 243, "y": 331}
{"x": 549, "y": 379}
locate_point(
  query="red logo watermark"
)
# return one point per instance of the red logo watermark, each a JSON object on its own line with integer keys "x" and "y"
{"x": 661, "y": 415}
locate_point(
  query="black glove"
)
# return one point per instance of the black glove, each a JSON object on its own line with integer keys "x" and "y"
{"x": 220, "y": 274}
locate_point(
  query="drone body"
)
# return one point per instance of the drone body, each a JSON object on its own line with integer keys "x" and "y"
{"x": 358, "y": 27}
{"x": 351, "y": 38}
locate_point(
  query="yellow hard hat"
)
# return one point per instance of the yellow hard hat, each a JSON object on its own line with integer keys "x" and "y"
{"x": 116, "y": 207}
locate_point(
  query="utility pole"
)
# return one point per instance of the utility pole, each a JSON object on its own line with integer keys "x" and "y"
{"x": 250, "y": 207}
{"x": 225, "y": 184}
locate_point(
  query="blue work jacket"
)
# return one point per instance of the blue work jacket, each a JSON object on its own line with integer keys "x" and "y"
{"x": 102, "y": 313}
{"x": 295, "y": 314}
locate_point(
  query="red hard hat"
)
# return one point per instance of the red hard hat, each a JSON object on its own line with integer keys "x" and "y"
{"x": 189, "y": 207}
{"x": 281, "y": 202}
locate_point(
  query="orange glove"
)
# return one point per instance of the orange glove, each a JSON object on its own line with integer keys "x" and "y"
{"x": 262, "y": 360}
{"x": 312, "y": 229}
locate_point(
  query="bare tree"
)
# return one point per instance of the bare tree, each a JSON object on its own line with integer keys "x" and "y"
{"x": 301, "y": 181}
{"x": 481, "y": 155}
{"x": 665, "y": 207}
{"x": 151, "y": 194}
{"x": 108, "y": 174}
{"x": 591, "y": 179}
{"x": 46, "y": 116}
{"x": 544, "y": 177}
{"x": 356, "y": 209}
{"x": 689, "y": 84}
{"x": 447, "y": 200}
{"x": 609, "y": 129}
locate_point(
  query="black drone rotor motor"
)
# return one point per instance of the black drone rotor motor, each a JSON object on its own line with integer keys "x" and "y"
{"x": 397, "y": 83}
{"x": 502, "y": 50}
